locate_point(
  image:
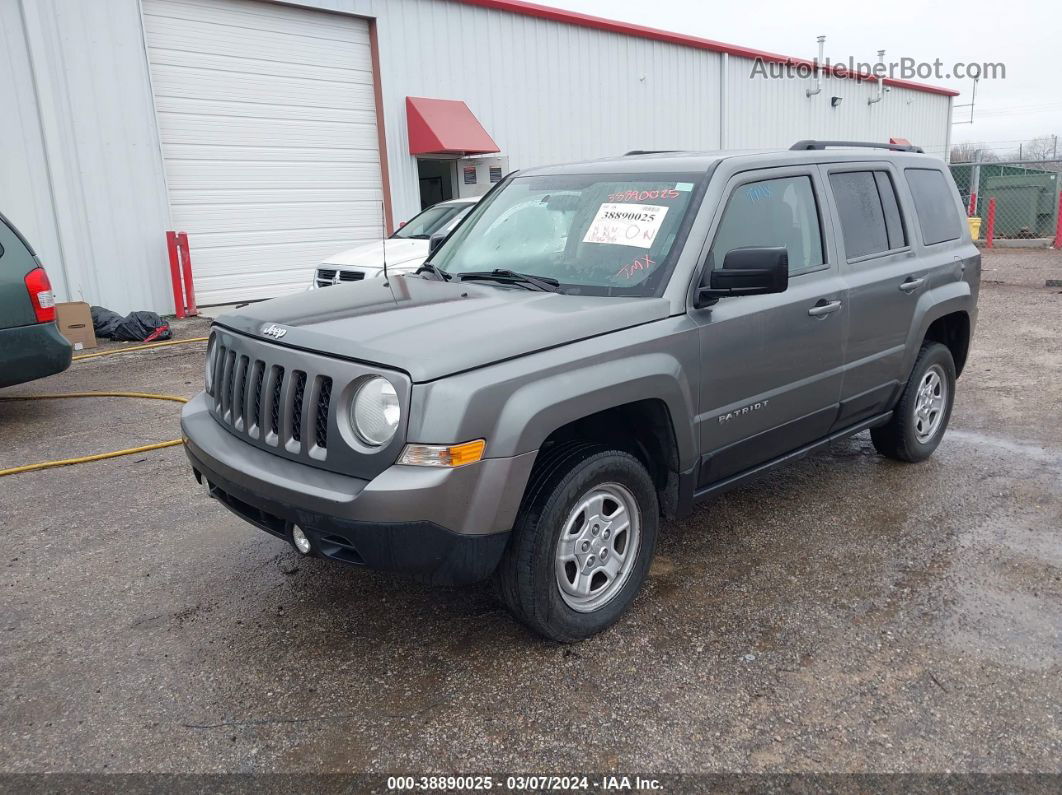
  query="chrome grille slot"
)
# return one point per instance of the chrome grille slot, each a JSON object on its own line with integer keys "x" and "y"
{"x": 255, "y": 399}
{"x": 324, "y": 399}
{"x": 226, "y": 385}
{"x": 218, "y": 365}
{"x": 239, "y": 396}
{"x": 296, "y": 406}
{"x": 273, "y": 395}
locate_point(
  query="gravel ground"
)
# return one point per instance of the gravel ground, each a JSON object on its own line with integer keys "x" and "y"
{"x": 844, "y": 614}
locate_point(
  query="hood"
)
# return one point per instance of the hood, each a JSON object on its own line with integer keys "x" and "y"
{"x": 370, "y": 255}
{"x": 431, "y": 329}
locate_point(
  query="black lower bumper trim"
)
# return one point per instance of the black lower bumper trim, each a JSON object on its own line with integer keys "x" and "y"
{"x": 423, "y": 549}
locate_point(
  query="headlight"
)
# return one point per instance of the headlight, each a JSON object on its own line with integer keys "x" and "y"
{"x": 375, "y": 411}
{"x": 209, "y": 378}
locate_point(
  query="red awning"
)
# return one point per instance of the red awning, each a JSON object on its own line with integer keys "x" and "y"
{"x": 445, "y": 127}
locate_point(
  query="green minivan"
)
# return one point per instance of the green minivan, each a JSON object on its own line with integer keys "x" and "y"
{"x": 31, "y": 346}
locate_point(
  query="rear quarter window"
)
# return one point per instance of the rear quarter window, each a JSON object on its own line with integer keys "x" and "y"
{"x": 935, "y": 205}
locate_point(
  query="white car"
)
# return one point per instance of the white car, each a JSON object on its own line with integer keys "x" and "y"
{"x": 407, "y": 248}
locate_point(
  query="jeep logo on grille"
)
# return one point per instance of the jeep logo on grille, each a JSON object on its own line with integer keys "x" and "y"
{"x": 274, "y": 331}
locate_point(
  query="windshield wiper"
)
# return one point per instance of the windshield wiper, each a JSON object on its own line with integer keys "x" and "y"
{"x": 544, "y": 283}
{"x": 441, "y": 275}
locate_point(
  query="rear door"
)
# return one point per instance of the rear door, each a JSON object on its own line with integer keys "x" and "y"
{"x": 884, "y": 276}
{"x": 771, "y": 364}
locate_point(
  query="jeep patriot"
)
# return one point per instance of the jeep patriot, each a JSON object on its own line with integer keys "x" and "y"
{"x": 595, "y": 348}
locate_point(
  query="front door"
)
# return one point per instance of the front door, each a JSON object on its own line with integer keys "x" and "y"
{"x": 772, "y": 365}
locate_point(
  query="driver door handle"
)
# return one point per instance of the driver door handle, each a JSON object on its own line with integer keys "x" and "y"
{"x": 910, "y": 284}
{"x": 824, "y": 307}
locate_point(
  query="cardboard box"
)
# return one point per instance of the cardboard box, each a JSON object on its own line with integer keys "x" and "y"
{"x": 75, "y": 323}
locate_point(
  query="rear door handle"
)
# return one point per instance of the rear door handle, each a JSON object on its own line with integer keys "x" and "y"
{"x": 911, "y": 284}
{"x": 824, "y": 307}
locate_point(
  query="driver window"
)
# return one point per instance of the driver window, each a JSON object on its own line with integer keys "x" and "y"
{"x": 772, "y": 213}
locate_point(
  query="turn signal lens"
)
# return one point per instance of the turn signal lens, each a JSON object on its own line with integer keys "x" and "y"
{"x": 441, "y": 455}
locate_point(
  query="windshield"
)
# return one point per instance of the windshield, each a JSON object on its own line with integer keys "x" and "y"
{"x": 594, "y": 234}
{"x": 432, "y": 220}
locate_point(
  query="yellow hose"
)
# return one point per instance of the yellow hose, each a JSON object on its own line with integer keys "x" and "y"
{"x": 116, "y": 453}
{"x": 139, "y": 348}
{"x": 86, "y": 458}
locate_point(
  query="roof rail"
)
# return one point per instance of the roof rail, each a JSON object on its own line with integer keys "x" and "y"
{"x": 649, "y": 152}
{"x": 805, "y": 145}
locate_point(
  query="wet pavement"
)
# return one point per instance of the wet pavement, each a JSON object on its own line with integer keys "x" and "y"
{"x": 846, "y": 613}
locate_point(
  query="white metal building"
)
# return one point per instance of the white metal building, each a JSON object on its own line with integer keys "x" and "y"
{"x": 275, "y": 134}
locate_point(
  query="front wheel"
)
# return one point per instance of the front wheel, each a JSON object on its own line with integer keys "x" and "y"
{"x": 920, "y": 418}
{"x": 583, "y": 542}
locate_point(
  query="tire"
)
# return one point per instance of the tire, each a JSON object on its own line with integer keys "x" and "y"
{"x": 596, "y": 480}
{"x": 910, "y": 435}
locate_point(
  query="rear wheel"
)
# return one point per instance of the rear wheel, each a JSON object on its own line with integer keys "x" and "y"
{"x": 921, "y": 416}
{"x": 583, "y": 542}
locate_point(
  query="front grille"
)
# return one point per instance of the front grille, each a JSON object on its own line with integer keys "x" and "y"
{"x": 326, "y": 277}
{"x": 266, "y": 402}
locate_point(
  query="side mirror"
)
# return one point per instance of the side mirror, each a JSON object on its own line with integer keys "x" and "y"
{"x": 746, "y": 271}
{"x": 435, "y": 241}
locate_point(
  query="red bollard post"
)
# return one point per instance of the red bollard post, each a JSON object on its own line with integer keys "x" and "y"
{"x": 972, "y": 211}
{"x": 1058, "y": 224}
{"x": 186, "y": 269}
{"x": 175, "y": 273}
{"x": 990, "y": 234}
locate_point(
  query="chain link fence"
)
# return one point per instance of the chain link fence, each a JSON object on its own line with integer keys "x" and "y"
{"x": 1016, "y": 203}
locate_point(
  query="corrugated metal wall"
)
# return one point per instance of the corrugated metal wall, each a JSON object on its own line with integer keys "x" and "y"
{"x": 545, "y": 92}
{"x": 87, "y": 156}
{"x": 95, "y": 130}
{"x": 25, "y": 189}
{"x": 778, "y": 112}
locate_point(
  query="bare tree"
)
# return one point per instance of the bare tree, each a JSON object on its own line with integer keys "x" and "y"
{"x": 963, "y": 153}
{"x": 1043, "y": 147}
{"x": 968, "y": 153}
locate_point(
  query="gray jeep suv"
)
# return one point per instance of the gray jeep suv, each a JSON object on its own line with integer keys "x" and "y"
{"x": 597, "y": 346}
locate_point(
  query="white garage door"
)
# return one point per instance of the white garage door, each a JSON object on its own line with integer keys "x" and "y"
{"x": 268, "y": 129}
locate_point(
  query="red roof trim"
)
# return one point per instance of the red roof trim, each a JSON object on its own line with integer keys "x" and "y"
{"x": 640, "y": 31}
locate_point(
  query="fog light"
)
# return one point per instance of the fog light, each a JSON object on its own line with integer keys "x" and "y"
{"x": 302, "y": 543}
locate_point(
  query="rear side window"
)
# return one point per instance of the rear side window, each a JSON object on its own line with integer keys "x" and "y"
{"x": 935, "y": 205}
{"x": 772, "y": 213}
{"x": 862, "y": 217}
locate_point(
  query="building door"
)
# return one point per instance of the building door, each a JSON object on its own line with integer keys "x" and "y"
{"x": 436, "y": 177}
{"x": 269, "y": 139}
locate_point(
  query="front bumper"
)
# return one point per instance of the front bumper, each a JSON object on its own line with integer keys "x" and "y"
{"x": 447, "y": 526}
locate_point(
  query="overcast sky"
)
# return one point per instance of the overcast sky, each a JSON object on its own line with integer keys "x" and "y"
{"x": 1024, "y": 35}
